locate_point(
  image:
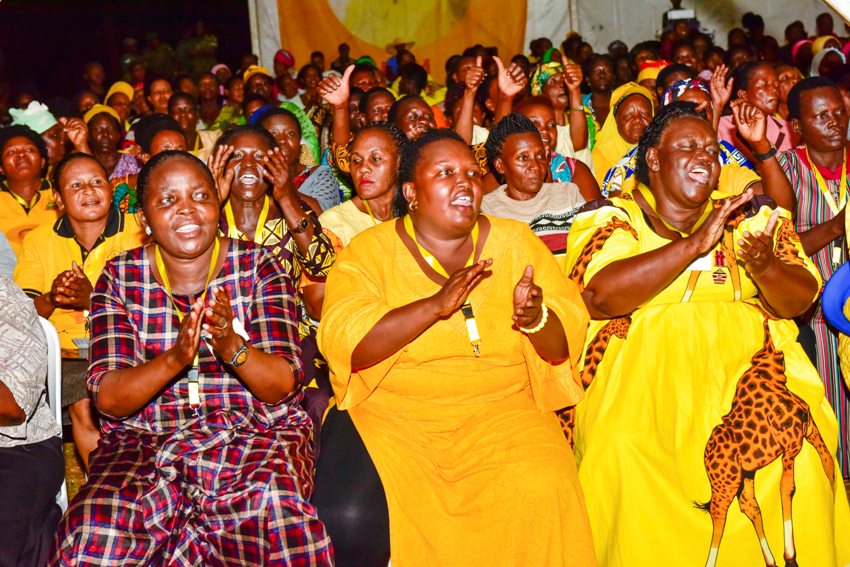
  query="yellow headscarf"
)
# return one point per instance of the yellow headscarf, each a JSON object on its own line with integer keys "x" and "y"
{"x": 610, "y": 145}
{"x": 120, "y": 87}
{"x": 99, "y": 109}
{"x": 819, "y": 43}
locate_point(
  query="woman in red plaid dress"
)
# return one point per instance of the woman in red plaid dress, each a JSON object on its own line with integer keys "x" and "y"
{"x": 204, "y": 457}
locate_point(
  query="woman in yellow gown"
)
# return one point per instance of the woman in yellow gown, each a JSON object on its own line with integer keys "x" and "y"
{"x": 698, "y": 392}
{"x": 453, "y": 399}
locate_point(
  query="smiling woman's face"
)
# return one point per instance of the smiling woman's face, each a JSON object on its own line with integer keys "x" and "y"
{"x": 249, "y": 149}
{"x": 181, "y": 208}
{"x": 447, "y": 187}
{"x": 84, "y": 193}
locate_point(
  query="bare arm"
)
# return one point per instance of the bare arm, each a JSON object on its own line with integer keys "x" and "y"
{"x": 464, "y": 125}
{"x": 623, "y": 286}
{"x": 11, "y": 413}
{"x": 403, "y": 324}
{"x": 578, "y": 122}
{"x": 587, "y": 184}
{"x": 822, "y": 235}
{"x": 335, "y": 91}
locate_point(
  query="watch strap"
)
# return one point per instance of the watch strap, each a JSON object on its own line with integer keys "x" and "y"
{"x": 767, "y": 155}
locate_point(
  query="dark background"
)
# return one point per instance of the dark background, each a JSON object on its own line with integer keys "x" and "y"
{"x": 45, "y": 43}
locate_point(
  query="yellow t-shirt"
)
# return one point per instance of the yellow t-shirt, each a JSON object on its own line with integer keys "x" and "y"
{"x": 49, "y": 249}
{"x": 16, "y": 221}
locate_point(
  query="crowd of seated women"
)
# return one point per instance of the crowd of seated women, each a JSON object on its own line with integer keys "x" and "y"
{"x": 563, "y": 310}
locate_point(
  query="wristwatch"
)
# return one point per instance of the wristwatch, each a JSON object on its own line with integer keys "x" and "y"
{"x": 240, "y": 356}
{"x": 766, "y": 156}
{"x": 579, "y": 108}
{"x": 300, "y": 226}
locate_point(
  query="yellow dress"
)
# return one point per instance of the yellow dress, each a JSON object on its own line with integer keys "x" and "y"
{"x": 474, "y": 463}
{"x": 49, "y": 249}
{"x": 673, "y": 396}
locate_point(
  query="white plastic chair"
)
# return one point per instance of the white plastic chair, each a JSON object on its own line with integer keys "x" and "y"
{"x": 54, "y": 390}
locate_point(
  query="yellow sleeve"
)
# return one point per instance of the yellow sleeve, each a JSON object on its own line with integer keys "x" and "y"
{"x": 32, "y": 274}
{"x": 735, "y": 178}
{"x": 554, "y": 386}
{"x": 598, "y": 238}
{"x": 354, "y": 303}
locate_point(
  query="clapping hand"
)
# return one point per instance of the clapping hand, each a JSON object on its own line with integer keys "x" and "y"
{"x": 528, "y": 300}
{"x": 71, "y": 289}
{"x": 218, "y": 324}
{"x": 457, "y": 288}
{"x": 756, "y": 250}
{"x": 707, "y": 235}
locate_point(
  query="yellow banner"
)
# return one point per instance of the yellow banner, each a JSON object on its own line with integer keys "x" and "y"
{"x": 440, "y": 28}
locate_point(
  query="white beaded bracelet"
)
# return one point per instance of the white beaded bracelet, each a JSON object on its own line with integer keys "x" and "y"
{"x": 540, "y": 325}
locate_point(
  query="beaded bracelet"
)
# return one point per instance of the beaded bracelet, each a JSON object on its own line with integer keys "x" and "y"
{"x": 540, "y": 325}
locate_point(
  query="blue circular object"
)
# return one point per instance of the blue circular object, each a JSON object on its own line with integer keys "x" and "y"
{"x": 835, "y": 296}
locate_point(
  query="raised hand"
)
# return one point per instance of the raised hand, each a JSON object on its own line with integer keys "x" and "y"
{"x": 721, "y": 88}
{"x": 756, "y": 250}
{"x": 511, "y": 80}
{"x": 218, "y": 324}
{"x": 706, "y": 236}
{"x": 189, "y": 336}
{"x": 221, "y": 173}
{"x": 335, "y": 90}
{"x": 750, "y": 121}
{"x": 572, "y": 77}
{"x": 77, "y": 133}
{"x": 475, "y": 76}
{"x": 457, "y": 288}
{"x": 276, "y": 171}
{"x": 528, "y": 300}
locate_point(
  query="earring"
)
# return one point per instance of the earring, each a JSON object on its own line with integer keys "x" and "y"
{"x": 148, "y": 230}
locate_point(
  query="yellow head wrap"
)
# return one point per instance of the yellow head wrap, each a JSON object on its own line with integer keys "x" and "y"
{"x": 610, "y": 145}
{"x": 99, "y": 109}
{"x": 820, "y": 43}
{"x": 253, "y": 70}
{"x": 119, "y": 87}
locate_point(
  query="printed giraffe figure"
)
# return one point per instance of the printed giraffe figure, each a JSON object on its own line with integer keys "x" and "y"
{"x": 766, "y": 422}
{"x": 619, "y": 328}
{"x": 594, "y": 245}
{"x": 786, "y": 241}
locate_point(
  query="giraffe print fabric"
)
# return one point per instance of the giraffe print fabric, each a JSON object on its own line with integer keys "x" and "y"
{"x": 704, "y": 437}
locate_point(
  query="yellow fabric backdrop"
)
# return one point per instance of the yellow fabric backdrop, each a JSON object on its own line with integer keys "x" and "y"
{"x": 440, "y": 28}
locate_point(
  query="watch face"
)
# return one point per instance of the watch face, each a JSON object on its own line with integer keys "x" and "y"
{"x": 241, "y": 357}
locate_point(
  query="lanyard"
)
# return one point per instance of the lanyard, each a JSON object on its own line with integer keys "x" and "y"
{"x": 260, "y": 233}
{"x": 194, "y": 382}
{"x": 376, "y": 220}
{"x": 824, "y": 188}
{"x": 431, "y": 260}
{"x": 650, "y": 200}
{"x": 830, "y": 200}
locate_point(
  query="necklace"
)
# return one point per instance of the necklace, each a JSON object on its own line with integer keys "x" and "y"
{"x": 194, "y": 381}
{"x": 434, "y": 263}
{"x": 375, "y": 218}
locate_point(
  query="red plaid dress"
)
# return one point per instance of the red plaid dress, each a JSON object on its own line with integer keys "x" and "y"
{"x": 230, "y": 487}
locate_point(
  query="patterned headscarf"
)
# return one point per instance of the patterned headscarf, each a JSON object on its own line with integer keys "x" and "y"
{"x": 542, "y": 74}
{"x": 676, "y": 90}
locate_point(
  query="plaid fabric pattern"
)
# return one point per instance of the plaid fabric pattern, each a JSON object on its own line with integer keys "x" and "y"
{"x": 230, "y": 487}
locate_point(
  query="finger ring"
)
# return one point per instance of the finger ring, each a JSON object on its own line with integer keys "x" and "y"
{"x": 223, "y": 327}
{"x": 757, "y": 254}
